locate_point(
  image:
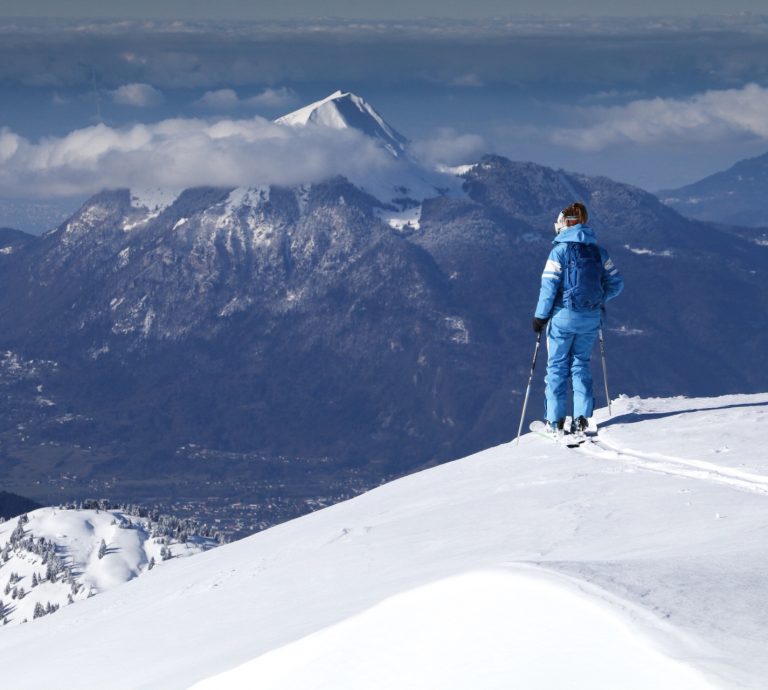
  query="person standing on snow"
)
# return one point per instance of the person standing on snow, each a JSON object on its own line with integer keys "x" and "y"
{"x": 578, "y": 279}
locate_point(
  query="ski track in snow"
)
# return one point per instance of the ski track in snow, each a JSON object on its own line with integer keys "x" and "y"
{"x": 691, "y": 469}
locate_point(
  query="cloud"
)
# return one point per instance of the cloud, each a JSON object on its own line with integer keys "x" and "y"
{"x": 137, "y": 95}
{"x": 706, "y": 117}
{"x": 221, "y": 99}
{"x": 228, "y": 99}
{"x": 282, "y": 97}
{"x": 448, "y": 148}
{"x": 180, "y": 153}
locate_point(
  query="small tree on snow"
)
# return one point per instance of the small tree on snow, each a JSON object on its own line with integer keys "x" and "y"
{"x": 39, "y": 611}
{"x": 102, "y": 549}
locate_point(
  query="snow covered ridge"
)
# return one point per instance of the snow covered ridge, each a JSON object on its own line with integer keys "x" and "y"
{"x": 54, "y": 557}
{"x": 634, "y": 562}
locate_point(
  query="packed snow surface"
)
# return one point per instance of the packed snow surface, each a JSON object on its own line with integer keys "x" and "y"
{"x": 636, "y": 561}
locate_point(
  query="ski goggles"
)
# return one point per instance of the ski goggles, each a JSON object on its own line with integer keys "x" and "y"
{"x": 562, "y": 222}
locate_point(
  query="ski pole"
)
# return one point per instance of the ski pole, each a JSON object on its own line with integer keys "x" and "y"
{"x": 528, "y": 389}
{"x": 605, "y": 370}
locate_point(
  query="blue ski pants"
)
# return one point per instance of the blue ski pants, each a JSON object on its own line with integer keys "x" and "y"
{"x": 570, "y": 339}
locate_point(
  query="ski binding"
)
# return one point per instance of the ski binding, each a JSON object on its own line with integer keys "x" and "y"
{"x": 568, "y": 440}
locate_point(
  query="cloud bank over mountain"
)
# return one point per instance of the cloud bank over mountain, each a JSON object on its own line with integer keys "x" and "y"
{"x": 449, "y": 147}
{"x": 179, "y": 153}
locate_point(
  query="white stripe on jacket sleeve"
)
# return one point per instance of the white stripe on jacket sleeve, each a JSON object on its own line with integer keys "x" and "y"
{"x": 552, "y": 270}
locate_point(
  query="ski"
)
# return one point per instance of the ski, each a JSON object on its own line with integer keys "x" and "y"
{"x": 568, "y": 440}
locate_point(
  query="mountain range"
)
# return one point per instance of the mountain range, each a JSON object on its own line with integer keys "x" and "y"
{"x": 290, "y": 347}
{"x": 734, "y": 197}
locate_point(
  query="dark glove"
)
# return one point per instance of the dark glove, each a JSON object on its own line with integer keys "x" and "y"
{"x": 538, "y": 324}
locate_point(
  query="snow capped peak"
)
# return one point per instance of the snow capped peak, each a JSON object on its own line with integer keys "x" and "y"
{"x": 343, "y": 110}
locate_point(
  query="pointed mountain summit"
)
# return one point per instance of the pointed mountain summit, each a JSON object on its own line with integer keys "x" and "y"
{"x": 342, "y": 110}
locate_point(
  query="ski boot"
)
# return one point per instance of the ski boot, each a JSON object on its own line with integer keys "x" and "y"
{"x": 556, "y": 429}
{"x": 579, "y": 427}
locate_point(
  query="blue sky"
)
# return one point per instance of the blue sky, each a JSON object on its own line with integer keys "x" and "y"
{"x": 654, "y": 102}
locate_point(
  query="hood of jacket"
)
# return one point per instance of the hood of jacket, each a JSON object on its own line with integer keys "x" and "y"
{"x": 577, "y": 233}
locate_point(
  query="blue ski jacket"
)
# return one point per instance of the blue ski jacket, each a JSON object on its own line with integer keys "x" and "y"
{"x": 551, "y": 292}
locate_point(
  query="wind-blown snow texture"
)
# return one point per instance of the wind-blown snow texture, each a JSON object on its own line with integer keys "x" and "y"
{"x": 637, "y": 561}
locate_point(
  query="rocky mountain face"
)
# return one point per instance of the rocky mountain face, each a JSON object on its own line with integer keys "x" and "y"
{"x": 302, "y": 344}
{"x": 735, "y": 196}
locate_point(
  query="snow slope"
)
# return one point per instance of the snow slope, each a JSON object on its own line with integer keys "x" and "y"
{"x": 637, "y": 561}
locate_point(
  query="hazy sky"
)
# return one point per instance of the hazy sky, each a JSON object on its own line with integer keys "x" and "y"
{"x": 392, "y": 9}
{"x": 654, "y": 102}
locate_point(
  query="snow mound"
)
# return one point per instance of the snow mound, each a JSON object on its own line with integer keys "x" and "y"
{"x": 491, "y": 630}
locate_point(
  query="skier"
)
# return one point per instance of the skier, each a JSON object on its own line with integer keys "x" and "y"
{"x": 578, "y": 279}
